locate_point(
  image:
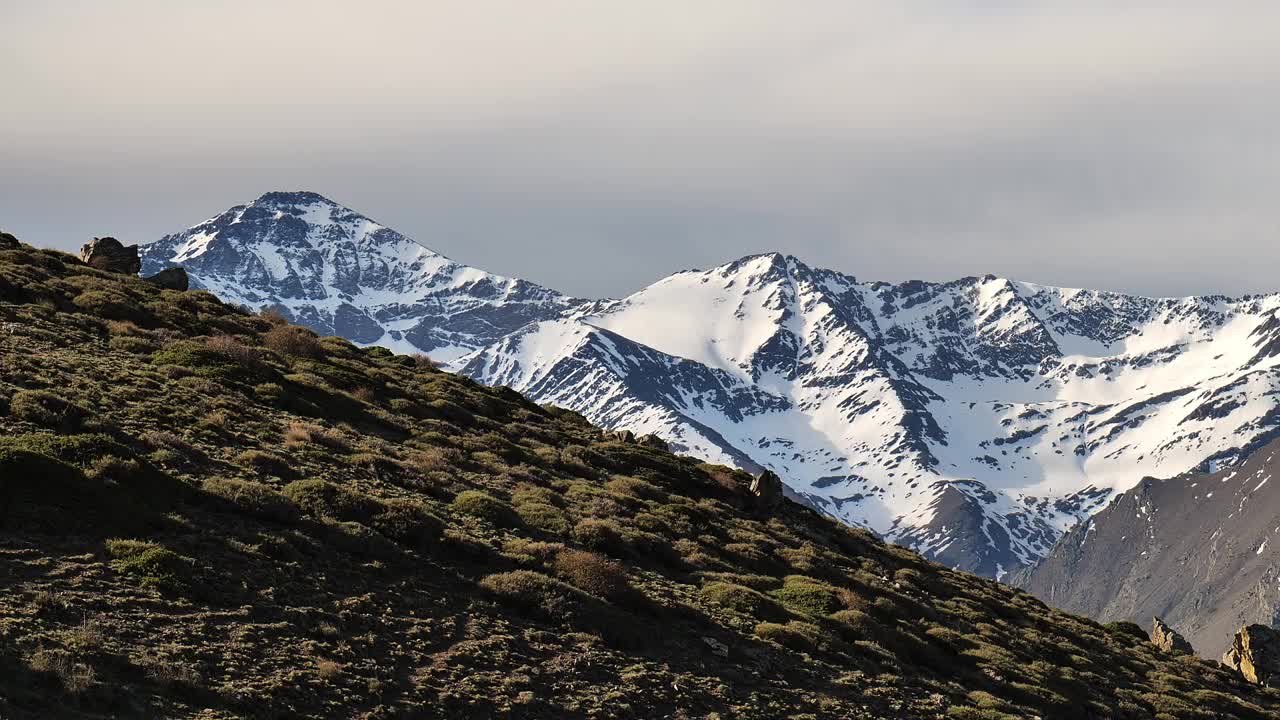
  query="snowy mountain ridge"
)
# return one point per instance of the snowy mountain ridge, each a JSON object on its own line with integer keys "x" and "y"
{"x": 975, "y": 420}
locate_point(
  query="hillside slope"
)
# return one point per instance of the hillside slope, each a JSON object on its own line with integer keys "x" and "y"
{"x": 209, "y": 513}
{"x": 1201, "y": 551}
{"x": 973, "y": 420}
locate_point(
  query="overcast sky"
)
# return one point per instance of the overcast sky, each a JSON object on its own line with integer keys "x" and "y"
{"x": 596, "y": 146}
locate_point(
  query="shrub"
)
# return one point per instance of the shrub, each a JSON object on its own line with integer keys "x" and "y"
{"x": 808, "y": 596}
{"x": 268, "y": 392}
{"x": 856, "y": 625}
{"x": 533, "y": 591}
{"x": 546, "y": 518}
{"x": 109, "y": 305}
{"x": 795, "y": 634}
{"x": 1131, "y": 632}
{"x": 254, "y": 498}
{"x": 484, "y": 506}
{"x": 154, "y": 566}
{"x": 231, "y": 347}
{"x": 197, "y": 358}
{"x": 323, "y": 499}
{"x": 265, "y": 463}
{"x": 592, "y": 574}
{"x": 602, "y": 536}
{"x": 743, "y": 600}
{"x": 293, "y": 341}
{"x": 46, "y": 409}
{"x": 408, "y": 522}
{"x": 76, "y": 676}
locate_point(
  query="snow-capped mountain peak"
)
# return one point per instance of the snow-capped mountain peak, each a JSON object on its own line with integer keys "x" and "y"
{"x": 974, "y": 420}
{"x": 340, "y": 272}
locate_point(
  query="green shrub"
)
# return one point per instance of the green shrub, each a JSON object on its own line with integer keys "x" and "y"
{"x": 602, "y": 536}
{"x": 743, "y": 600}
{"x": 808, "y": 596}
{"x": 408, "y": 522}
{"x": 323, "y": 499}
{"x": 532, "y": 591}
{"x": 197, "y": 358}
{"x": 154, "y": 566}
{"x": 1130, "y": 632}
{"x": 795, "y": 634}
{"x": 856, "y": 625}
{"x": 256, "y": 499}
{"x": 46, "y": 409}
{"x": 484, "y": 506}
{"x": 547, "y": 518}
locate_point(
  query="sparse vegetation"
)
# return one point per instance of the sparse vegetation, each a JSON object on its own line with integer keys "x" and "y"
{"x": 218, "y": 514}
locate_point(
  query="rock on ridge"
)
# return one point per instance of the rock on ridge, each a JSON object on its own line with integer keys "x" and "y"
{"x": 1168, "y": 639}
{"x": 1255, "y": 654}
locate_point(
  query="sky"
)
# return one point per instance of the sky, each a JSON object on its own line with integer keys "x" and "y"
{"x": 596, "y": 146}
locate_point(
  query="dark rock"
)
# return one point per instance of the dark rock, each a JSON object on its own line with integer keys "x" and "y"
{"x": 1255, "y": 654}
{"x": 8, "y": 242}
{"x": 111, "y": 255}
{"x": 654, "y": 442}
{"x": 767, "y": 487}
{"x": 625, "y": 436}
{"x": 1168, "y": 639}
{"x": 171, "y": 279}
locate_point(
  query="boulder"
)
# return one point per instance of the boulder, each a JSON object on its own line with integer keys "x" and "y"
{"x": 1255, "y": 654}
{"x": 111, "y": 255}
{"x": 767, "y": 487}
{"x": 172, "y": 279}
{"x": 625, "y": 436}
{"x": 1168, "y": 639}
{"x": 654, "y": 442}
{"x": 8, "y": 242}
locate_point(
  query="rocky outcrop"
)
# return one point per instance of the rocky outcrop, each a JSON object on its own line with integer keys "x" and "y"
{"x": 171, "y": 279}
{"x": 625, "y": 436}
{"x": 111, "y": 255}
{"x": 1255, "y": 654}
{"x": 655, "y": 442}
{"x": 1168, "y": 639}
{"x": 8, "y": 242}
{"x": 767, "y": 487}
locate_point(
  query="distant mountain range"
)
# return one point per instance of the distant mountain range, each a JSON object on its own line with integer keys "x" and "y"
{"x": 974, "y": 420}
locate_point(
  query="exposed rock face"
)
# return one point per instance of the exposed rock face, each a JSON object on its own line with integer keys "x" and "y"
{"x": 1199, "y": 550}
{"x": 1255, "y": 654}
{"x": 625, "y": 436}
{"x": 111, "y": 255}
{"x": 1168, "y": 639}
{"x": 171, "y": 278}
{"x": 767, "y": 488}
{"x": 8, "y": 242}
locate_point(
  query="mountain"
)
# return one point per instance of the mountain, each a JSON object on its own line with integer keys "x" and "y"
{"x": 974, "y": 420}
{"x": 339, "y": 272}
{"x": 210, "y": 513}
{"x": 1200, "y": 550}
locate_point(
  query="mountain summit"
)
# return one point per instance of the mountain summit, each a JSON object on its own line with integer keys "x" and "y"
{"x": 974, "y": 420}
{"x": 335, "y": 270}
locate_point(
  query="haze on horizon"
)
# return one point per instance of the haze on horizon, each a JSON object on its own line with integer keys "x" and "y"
{"x": 596, "y": 146}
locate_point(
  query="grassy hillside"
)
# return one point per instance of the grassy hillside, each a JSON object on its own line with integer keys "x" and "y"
{"x": 205, "y": 512}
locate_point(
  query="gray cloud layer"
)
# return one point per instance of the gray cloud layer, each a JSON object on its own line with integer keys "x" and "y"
{"x": 595, "y": 146}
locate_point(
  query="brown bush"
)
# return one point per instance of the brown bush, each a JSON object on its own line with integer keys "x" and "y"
{"x": 293, "y": 341}
{"x": 231, "y": 347}
{"x": 592, "y": 574}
